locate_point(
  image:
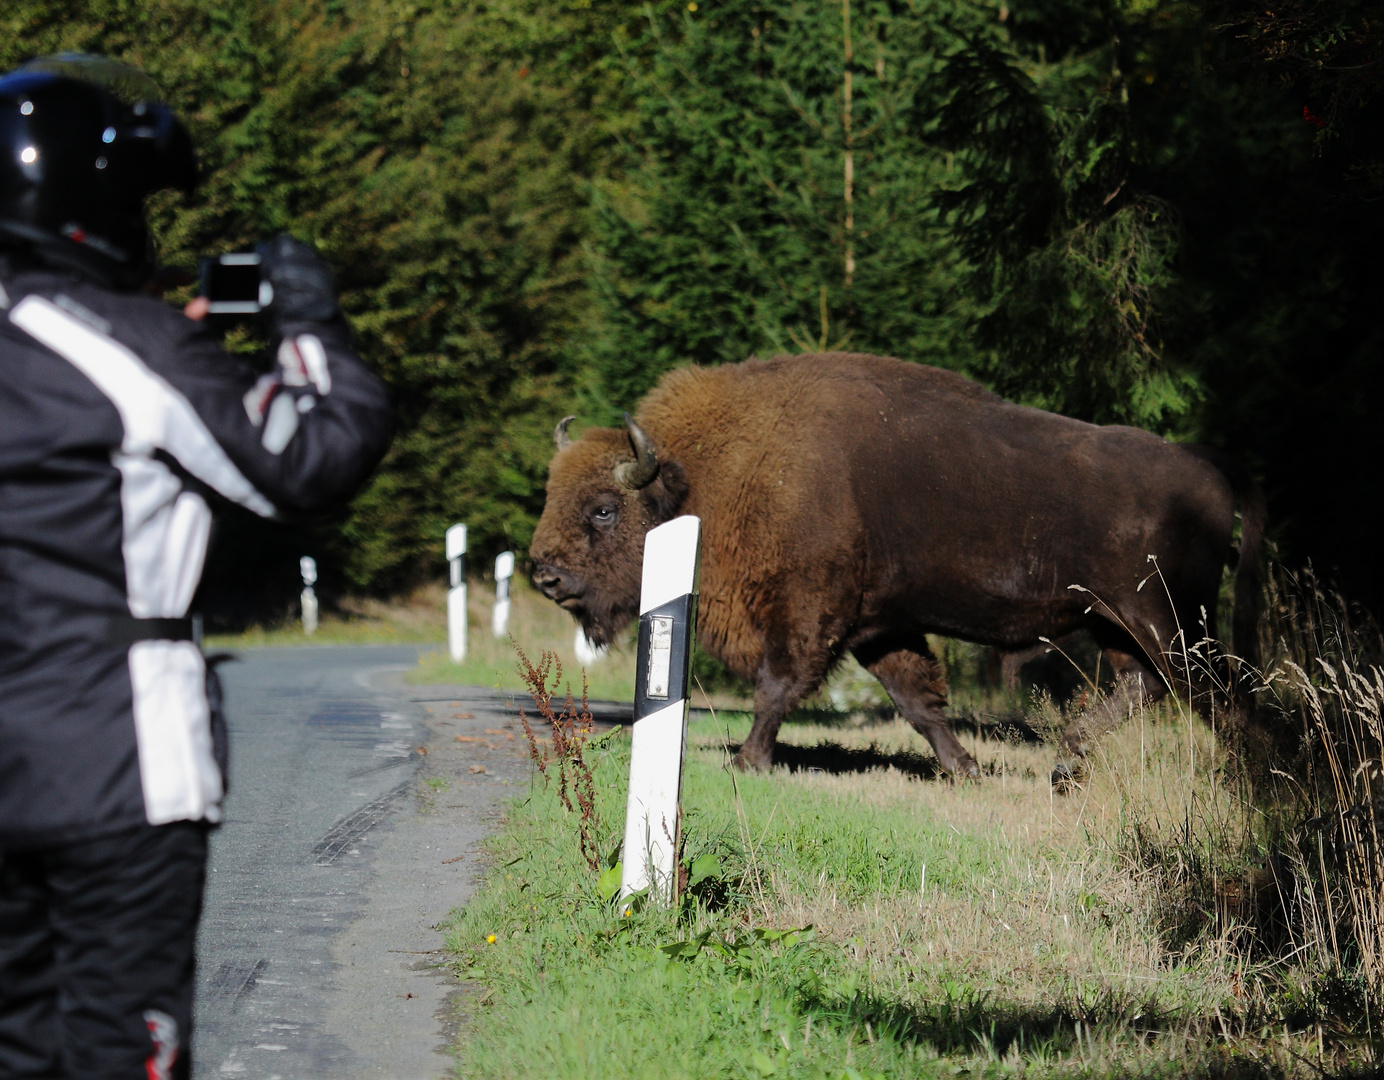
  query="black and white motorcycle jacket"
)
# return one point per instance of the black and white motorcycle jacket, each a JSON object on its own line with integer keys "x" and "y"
{"x": 117, "y": 414}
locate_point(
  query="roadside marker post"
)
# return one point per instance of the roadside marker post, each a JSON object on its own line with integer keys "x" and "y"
{"x": 587, "y": 653}
{"x": 667, "y": 630}
{"x": 307, "y": 567}
{"x": 504, "y": 570}
{"x": 456, "y": 595}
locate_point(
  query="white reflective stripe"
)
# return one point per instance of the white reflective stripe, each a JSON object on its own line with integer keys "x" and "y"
{"x": 315, "y": 357}
{"x": 164, "y": 544}
{"x": 292, "y": 366}
{"x": 166, "y": 530}
{"x": 173, "y": 732}
{"x": 671, "y": 562}
{"x": 257, "y": 398}
{"x": 154, "y": 414}
{"x": 279, "y": 428}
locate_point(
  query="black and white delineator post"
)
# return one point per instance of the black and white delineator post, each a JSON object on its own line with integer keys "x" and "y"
{"x": 307, "y": 567}
{"x": 456, "y": 595}
{"x": 667, "y": 629}
{"x": 504, "y": 570}
{"x": 587, "y": 653}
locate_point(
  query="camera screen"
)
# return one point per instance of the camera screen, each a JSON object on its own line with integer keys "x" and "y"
{"x": 232, "y": 284}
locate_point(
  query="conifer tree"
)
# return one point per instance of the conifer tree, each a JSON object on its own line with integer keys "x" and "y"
{"x": 775, "y": 193}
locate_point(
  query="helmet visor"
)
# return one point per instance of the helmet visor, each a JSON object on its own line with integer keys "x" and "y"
{"x": 123, "y": 82}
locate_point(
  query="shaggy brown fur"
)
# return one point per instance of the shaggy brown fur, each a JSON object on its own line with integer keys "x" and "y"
{"x": 854, "y": 502}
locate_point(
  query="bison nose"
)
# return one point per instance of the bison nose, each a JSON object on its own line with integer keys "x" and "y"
{"x": 552, "y": 582}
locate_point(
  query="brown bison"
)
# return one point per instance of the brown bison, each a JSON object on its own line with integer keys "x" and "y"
{"x": 855, "y": 502}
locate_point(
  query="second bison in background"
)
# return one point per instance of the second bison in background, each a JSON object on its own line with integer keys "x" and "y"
{"x": 854, "y": 502}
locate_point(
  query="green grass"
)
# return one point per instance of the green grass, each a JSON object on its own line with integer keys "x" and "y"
{"x": 1039, "y": 944}
{"x": 986, "y": 929}
{"x": 419, "y": 618}
{"x": 536, "y": 624}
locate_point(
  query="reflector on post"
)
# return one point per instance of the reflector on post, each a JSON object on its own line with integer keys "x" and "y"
{"x": 667, "y": 629}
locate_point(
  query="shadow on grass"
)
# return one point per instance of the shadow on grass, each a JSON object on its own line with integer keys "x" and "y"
{"x": 973, "y": 1023}
{"x": 977, "y": 1025}
{"x": 1011, "y": 727}
{"x": 828, "y": 757}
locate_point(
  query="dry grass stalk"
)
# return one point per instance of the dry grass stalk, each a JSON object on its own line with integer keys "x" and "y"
{"x": 569, "y": 732}
{"x": 1176, "y": 879}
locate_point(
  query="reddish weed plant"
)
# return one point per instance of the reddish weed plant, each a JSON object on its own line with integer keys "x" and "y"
{"x": 569, "y": 731}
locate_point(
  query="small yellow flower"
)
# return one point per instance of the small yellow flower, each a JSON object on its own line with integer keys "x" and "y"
{"x": 692, "y": 6}
{"x": 490, "y": 939}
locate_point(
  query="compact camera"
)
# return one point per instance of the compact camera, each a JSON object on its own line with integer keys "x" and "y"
{"x": 233, "y": 284}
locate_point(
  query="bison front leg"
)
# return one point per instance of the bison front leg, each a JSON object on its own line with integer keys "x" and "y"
{"x": 775, "y": 694}
{"x": 783, "y": 682}
{"x": 913, "y": 679}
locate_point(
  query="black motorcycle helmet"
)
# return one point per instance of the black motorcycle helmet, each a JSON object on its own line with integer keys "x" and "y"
{"x": 83, "y": 141}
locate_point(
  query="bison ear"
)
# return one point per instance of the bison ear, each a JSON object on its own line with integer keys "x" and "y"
{"x": 665, "y": 495}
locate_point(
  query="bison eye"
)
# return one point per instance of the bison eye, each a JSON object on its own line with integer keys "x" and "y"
{"x": 603, "y": 513}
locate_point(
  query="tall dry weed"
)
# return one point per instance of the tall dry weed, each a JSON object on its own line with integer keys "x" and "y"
{"x": 1324, "y": 684}
{"x": 1284, "y": 862}
{"x": 1275, "y": 864}
{"x": 569, "y": 730}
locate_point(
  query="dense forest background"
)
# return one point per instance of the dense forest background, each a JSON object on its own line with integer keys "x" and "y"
{"x": 1167, "y": 214}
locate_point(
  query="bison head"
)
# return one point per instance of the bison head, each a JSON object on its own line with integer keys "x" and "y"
{"x": 605, "y": 491}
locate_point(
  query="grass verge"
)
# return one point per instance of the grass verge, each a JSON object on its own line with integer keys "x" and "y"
{"x": 1208, "y": 902}
{"x": 417, "y": 618}
{"x": 871, "y": 923}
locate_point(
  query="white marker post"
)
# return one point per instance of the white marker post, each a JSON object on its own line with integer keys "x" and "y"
{"x": 307, "y": 566}
{"x": 587, "y": 653}
{"x": 504, "y": 570}
{"x": 456, "y": 595}
{"x": 667, "y": 628}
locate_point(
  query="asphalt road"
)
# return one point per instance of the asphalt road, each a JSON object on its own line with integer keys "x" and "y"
{"x": 318, "y": 957}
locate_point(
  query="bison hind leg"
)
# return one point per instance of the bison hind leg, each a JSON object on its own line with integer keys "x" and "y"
{"x": 1137, "y": 683}
{"x": 912, "y": 677}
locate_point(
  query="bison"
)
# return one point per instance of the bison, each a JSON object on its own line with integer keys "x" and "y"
{"x": 859, "y": 503}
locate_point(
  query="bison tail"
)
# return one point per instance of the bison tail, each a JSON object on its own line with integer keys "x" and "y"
{"x": 1248, "y": 586}
{"x": 1244, "y": 629}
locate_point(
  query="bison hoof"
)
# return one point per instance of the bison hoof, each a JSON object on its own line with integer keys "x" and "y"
{"x": 750, "y": 761}
{"x": 1065, "y": 777}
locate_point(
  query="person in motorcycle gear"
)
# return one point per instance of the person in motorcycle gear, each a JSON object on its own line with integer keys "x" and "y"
{"x": 122, "y": 422}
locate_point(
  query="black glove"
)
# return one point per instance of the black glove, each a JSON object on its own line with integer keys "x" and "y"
{"x": 304, "y": 285}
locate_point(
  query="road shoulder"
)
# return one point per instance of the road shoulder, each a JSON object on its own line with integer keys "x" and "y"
{"x": 394, "y": 999}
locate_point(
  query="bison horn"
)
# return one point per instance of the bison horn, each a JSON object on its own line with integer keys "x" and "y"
{"x": 560, "y": 435}
{"x": 641, "y": 471}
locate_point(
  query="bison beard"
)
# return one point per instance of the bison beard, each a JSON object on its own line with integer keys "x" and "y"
{"x": 859, "y": 503}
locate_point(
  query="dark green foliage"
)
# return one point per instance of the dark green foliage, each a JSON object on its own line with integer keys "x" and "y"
{"x": 1330, "y": 53}
{"x": 1157, "y": 213}
{"x": 1165, "y": 240}
{"x": 1072, "y": 258}
{"x": 735, "y": 230}
{"x": 444, "y": 185}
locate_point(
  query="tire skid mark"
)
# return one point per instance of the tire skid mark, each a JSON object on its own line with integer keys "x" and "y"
{"x": 350, "y": 829}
